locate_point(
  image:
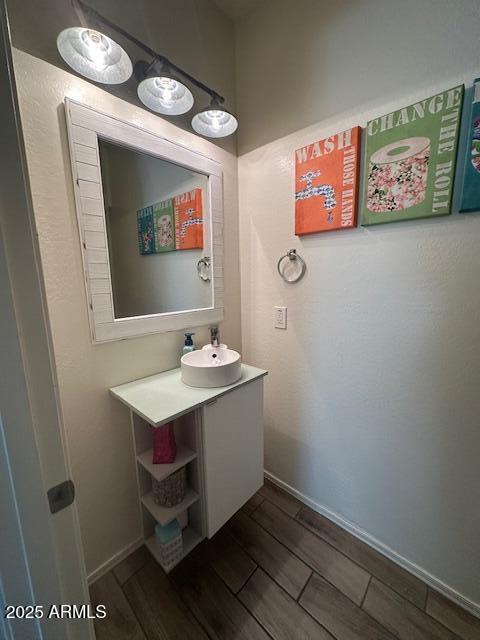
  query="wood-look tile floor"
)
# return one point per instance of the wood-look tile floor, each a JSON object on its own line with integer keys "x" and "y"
{"x": 276, "y": 570}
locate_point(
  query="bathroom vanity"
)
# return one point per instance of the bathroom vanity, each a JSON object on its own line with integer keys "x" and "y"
{"x": 150, "y": 222}
{"x": 219, "y": 434}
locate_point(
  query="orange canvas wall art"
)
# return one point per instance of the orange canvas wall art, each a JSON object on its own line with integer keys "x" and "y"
{"x": 188, "y": 213}
{"x": 326, "y": 183}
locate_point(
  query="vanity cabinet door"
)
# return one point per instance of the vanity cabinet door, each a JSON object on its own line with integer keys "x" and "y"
{"x": 233, "y": 452}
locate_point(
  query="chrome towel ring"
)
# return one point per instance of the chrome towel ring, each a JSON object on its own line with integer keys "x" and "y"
{"x": 203, "y": 268}
{"x": 293, "y": 256}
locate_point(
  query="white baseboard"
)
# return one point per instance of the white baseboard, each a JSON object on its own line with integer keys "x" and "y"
{"x": 115, "y": 559}
{"x": 364, "y": 536}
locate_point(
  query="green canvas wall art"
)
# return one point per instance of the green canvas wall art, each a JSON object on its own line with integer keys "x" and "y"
{"x": 410, "y": 158}
{"x": 164, "y": 226}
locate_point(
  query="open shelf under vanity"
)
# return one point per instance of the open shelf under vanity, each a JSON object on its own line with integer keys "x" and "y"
{"x": 161, "y": 471}
{"x": 164, "y": 515}
{"x": 189, "y": 455}
{"x": 190, "y": 540}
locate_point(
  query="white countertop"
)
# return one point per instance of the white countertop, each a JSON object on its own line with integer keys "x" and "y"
{"x": 163, "y": 397}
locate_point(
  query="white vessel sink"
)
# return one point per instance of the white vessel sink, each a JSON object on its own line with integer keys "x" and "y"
{"x": 213, "y": 367}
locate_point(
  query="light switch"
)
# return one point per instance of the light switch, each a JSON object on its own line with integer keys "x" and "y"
{"x": 280, "y": 317}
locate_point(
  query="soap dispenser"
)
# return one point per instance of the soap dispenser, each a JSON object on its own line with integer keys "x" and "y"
{"x": 188, "y": 346}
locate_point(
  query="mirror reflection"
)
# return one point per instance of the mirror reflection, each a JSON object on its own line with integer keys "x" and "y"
{"x": 157, "y": 222}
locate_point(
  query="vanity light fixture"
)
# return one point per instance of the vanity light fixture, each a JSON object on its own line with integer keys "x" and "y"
{"x": 94, "y": 55}
{"x": 214, "y": 121}
{"x": 161, "y": 90}
{"x": 99, "y": 58}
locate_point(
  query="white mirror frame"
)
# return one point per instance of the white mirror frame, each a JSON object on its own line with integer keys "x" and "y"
{"x": 85, "y": 126}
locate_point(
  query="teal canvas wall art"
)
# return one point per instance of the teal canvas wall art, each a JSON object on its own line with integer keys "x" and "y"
{"x": 146, "y": 238}
{"x": 470, "y": 200}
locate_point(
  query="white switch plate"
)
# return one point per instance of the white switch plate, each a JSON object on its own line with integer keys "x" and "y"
{"x": 280, "y": 317}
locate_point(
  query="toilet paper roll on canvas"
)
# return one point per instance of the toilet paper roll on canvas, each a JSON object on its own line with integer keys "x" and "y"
{"x": 397, "y": 175}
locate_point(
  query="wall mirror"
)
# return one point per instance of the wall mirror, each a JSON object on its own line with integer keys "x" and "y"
{"x": 150, "y": 216}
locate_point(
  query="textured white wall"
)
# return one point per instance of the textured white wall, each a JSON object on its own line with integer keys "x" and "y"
{"x": 372, "y": 398}
{"x": 98, "y": 429}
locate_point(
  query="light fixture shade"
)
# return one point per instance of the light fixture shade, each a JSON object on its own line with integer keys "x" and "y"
{"x": 94, "y": 55}
{"x": 214, "y": 121}
{"x": 165, "y": 94}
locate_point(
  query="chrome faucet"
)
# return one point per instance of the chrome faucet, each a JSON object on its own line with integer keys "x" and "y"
{"x": 214, "y": 337}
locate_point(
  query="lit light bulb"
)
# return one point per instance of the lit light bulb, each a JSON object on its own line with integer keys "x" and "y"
{"x": 165, "y": 95}
{"x": 94, "y": 55}
{"x": 166, "y": 84}
{"x": 214, "y": 123}
{"x": 97, "y": 48}
{"x": 216, "y": 118}
{"x": 167, "y": 88}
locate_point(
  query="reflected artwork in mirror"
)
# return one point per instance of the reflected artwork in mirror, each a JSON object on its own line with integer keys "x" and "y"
{"x": 156, "y": 232}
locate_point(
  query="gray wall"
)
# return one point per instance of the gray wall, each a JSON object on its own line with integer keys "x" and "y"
{"x": 301, "y": 62}
{"x": 372, "y": 397}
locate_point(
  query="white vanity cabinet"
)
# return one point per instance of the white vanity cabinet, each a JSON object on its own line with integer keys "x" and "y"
{"x": 232, "y": 452}
{"x": 219, "y": 434}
